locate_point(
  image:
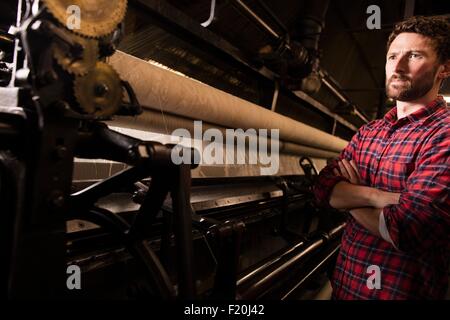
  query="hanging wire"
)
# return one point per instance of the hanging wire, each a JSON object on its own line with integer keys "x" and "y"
{"x": 211, "y": 14}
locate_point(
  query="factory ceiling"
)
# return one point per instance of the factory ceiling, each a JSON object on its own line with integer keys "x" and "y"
{"x": 249, "y": 48}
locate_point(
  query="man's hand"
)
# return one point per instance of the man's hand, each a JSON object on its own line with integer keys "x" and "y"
{"x": 349, "y": 170}
{"x": 369, "y": 218}
{"x": 381, "y": 199}
{"x": 354, "y": 195}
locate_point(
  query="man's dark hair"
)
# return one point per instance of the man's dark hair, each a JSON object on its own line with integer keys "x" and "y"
{"x": 435, "y": 28}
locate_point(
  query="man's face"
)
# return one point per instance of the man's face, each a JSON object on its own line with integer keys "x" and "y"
{"x": 411, "y": 67}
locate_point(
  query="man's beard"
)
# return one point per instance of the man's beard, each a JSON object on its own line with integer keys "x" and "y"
{"x": 410, "y": 90}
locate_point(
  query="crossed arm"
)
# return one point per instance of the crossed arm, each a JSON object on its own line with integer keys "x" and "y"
{"x": 364, "y": 203}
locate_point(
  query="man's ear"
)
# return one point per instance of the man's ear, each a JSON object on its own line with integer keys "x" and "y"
{"x": 444, "y": 70}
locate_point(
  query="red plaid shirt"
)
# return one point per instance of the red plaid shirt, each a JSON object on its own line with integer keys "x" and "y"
{"x": 410, "y": 156}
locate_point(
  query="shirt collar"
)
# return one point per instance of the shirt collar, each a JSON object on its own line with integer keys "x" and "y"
{"x": 432, "y": 107}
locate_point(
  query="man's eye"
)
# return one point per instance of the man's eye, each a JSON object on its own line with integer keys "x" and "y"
{"x": 415, "y": 55}
{"x": 392, "y": 57}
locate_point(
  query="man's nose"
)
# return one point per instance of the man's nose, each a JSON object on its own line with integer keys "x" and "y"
{"x": 401, "y": 64}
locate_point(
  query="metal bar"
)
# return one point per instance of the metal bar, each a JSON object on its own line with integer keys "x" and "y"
{"x": 249, "y": 275}
{"x": 311, "y": 272}
{"x": 12, "y": 198}
{"x": 40, "y": 237}
{"x": 16, "y": 45}
{"x": 265, "y": 280}
{"x": 153, "y": 201}
{"x": 333, "y": 131}
{"x": 256, "y": 18}
{"x": 181, "y": 204}
{"x": 257, "y": 281}
{"x": 335, "y": 91}
{"x": 316, "y": 104}
{"x": 89, "y": 195}
{"x": 228, "y": 238}
{"x": 263, "y": 5}
{"x": 156, "y": 272}
{"x": 360, "y": 115}
{"x": 275, "y": 96}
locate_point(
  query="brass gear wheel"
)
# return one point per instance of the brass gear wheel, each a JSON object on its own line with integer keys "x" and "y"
{"x": 99, "y": 93}
{"x": 97, "y": 17}
{"x": 77, "y": 60}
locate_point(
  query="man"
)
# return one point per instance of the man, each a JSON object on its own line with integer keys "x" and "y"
{"x": 394, "y": 178}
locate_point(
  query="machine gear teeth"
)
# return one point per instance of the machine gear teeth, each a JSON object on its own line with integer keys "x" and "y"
{"x": 98, "y": 18}
{"x": 99, "y": 92}
{"x": 77, "y": 60}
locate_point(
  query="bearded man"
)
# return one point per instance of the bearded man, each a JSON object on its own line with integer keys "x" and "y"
{"x": 394, "y": 178}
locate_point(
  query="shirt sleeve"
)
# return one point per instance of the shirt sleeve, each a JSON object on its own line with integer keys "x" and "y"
{"x": 327, "y": 179}
{"x": 421, "y": 220}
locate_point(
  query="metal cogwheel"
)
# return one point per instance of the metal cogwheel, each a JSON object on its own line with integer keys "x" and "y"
{"x": 76, "y": 59}
{"x": 97, "y": 17}
{"x": 99, "y": 92}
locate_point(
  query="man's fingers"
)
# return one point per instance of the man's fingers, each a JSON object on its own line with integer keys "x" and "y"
{"x": 351, "y": 172}
{"x": 356, "y": 168}
{"x": 336, "y": 172}
{"x": 344, "y": 172}
{"x": 386, "y": 198}
{"x": 396, "y": 198}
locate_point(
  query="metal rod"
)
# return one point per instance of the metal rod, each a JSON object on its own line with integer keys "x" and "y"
{"x": 16, "y": 45}
{"x": 333, "y": 90}
{"x": 275, "y": 96}
{"x": 316, "y": 104}
{"x": 272, "y": 15}
{"x": 360, "y": 115}
{"x": 268, "y": 264}
{"x": 260, "y": 21}
{"x": 311, "y": 272}
{"x": 104, "y": 187}
{"x": 261, "y": 285}
{"x": 183, "y": 231}
{"x": 339, "y": 95}
{"x": 257, "y": 281}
